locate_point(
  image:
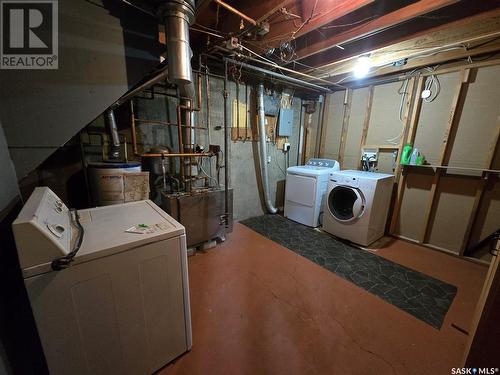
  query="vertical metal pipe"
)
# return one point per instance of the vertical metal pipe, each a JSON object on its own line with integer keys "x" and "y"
{"x": 114, "y": 148}
{"x": 263, "y": 151}
{"x": 226, "y": 151}
{"x": 301, "y": 133}
{"x": 132, "y": 129}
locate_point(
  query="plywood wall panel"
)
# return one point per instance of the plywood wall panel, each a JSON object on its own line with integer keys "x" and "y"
{"x": 385, "y": 127}
{"x": 454, "y": 202}
{"x": 478, "y": 125}
{"x": 412, "y": 213}
{"x": 434, "y": 117}
{"x": 355, "y": 128}
{"x": 333, "y": 124}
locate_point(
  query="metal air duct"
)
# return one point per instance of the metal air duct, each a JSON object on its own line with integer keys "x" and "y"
{"x": 178, "y": 15}
{"x": 114, "y": 149}
{"x": 263, "y": 149}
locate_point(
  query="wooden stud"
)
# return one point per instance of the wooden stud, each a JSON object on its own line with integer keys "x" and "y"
{"x": 324, "y": 126}
{"x": 366, "y": 122}
{"x": 479, "y": 194}
{"x": 412, "y": 91}
{"x": 449, "y": 136}
{"x": 345, "y": 125}
{"x": 410, "y": 138}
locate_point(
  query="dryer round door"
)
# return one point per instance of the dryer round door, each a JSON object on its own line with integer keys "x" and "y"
{"x": 346, "y": 203}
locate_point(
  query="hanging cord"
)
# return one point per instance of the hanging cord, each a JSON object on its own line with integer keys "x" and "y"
{"x": 64, "y": 261}
{"x": 431, "y": 82}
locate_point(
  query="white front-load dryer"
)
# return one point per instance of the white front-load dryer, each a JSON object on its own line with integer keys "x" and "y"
{"x": 357, "y": 205}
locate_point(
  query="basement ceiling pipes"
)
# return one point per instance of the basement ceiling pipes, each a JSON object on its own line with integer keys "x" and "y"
{"x": 263, "y": 149}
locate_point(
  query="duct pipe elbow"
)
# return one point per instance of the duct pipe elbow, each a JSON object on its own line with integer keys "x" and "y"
{"x": 263, "y": 150}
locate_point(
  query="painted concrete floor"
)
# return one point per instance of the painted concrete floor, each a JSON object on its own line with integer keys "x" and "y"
{"x": 258, "y": 308}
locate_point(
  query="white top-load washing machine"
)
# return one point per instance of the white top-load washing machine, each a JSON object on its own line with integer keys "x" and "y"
{"x": 108, "y": 286}
{"x": 357, "y": 204}
{"x": 305, "y": 190}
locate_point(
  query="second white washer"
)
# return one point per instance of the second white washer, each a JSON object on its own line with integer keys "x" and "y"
{"x": 357, "y": 204}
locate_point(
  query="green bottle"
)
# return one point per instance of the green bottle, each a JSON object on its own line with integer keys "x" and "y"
{"x": 406, "y": 155}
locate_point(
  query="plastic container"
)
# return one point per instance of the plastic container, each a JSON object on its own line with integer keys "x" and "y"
{"x": 414, "y": 156}
{"x": 406, "y": 155}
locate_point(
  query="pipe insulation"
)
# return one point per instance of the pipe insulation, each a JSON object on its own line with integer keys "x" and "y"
{"x": 263, "y": 149}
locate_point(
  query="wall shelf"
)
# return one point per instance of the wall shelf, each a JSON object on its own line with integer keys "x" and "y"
{"x": 451, "y": 168}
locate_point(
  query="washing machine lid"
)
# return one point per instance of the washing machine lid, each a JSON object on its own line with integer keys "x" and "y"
{"x": 111, "y": 229}
{"x": 346, "y": 203}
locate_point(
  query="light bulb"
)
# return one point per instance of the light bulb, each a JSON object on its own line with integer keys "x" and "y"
{"x": 362, "y": 67}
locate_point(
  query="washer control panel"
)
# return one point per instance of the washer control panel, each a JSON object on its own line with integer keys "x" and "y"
{"x": 43, "y": 228}
{"x": 325, "y": 163}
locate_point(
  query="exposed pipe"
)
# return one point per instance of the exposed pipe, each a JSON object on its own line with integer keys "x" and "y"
{"x": 114, "y": 149}
{"x": 280, "y": 67}
{"x": 160, "y": 76}
{"x": 301, "y": 133}
{"x": 180, "y": 155}
{"x": 278, "y": 75}
{"x": 226, "y": 151}
{"x": 237, "y": 12}
{"x": 263, "y": 150}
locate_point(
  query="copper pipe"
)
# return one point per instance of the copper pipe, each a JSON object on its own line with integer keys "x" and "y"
{"x": 158, "y": 122}
{"x": 180, "y": 155}
{"x": 132, "y": 129}
{"x": 237, "y": 12}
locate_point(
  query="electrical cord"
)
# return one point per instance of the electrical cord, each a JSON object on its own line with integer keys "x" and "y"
{"x": 64, "y": 262}
{"x": 200, "y": 164}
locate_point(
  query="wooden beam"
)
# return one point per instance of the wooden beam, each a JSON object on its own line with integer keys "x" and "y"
{"x": 471, "y": 30}
{"x": 448, "y": 138}
{"x": 366, "y": 122}
{"x": 394, "y": 18}
{"x": 345, "y": 125}
{"x": 410, "y": 138}
{"x": 326, "y": 11}
{"x": 324, "y": 127}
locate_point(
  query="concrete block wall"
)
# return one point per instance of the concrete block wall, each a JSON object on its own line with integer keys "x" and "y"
{"x": 244, "y": 175}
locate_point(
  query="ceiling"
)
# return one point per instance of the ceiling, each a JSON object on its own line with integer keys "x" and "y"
{"x": 324, "y": 38}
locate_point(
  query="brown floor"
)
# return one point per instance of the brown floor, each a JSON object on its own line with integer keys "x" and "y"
{"x": 258, "y": 308}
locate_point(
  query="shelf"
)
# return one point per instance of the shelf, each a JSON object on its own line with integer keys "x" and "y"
{"x": 451, "y": 167}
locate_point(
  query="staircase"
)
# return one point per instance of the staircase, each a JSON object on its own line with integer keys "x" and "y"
{"x": 105, "y": 48}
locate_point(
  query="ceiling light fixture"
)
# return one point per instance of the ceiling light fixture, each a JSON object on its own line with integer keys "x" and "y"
{"x": 362, "y": 67}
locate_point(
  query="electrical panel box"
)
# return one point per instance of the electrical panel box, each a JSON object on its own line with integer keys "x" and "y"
{"x": 285, "y": 124}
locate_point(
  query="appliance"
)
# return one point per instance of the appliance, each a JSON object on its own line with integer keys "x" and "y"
{"x": 201, "y": 213}
{"x": 305, "y": 190}
{"x": 108, "y": 286}
{"x": 357, "y": 204}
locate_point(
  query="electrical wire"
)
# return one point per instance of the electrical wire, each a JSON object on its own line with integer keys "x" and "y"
{"x": 431, "y": 82}
{"x": 63, "y": 262}
{"x": 200, "y": 165}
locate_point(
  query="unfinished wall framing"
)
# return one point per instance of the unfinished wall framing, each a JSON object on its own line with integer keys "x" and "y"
{"x": 453, "y": 203}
